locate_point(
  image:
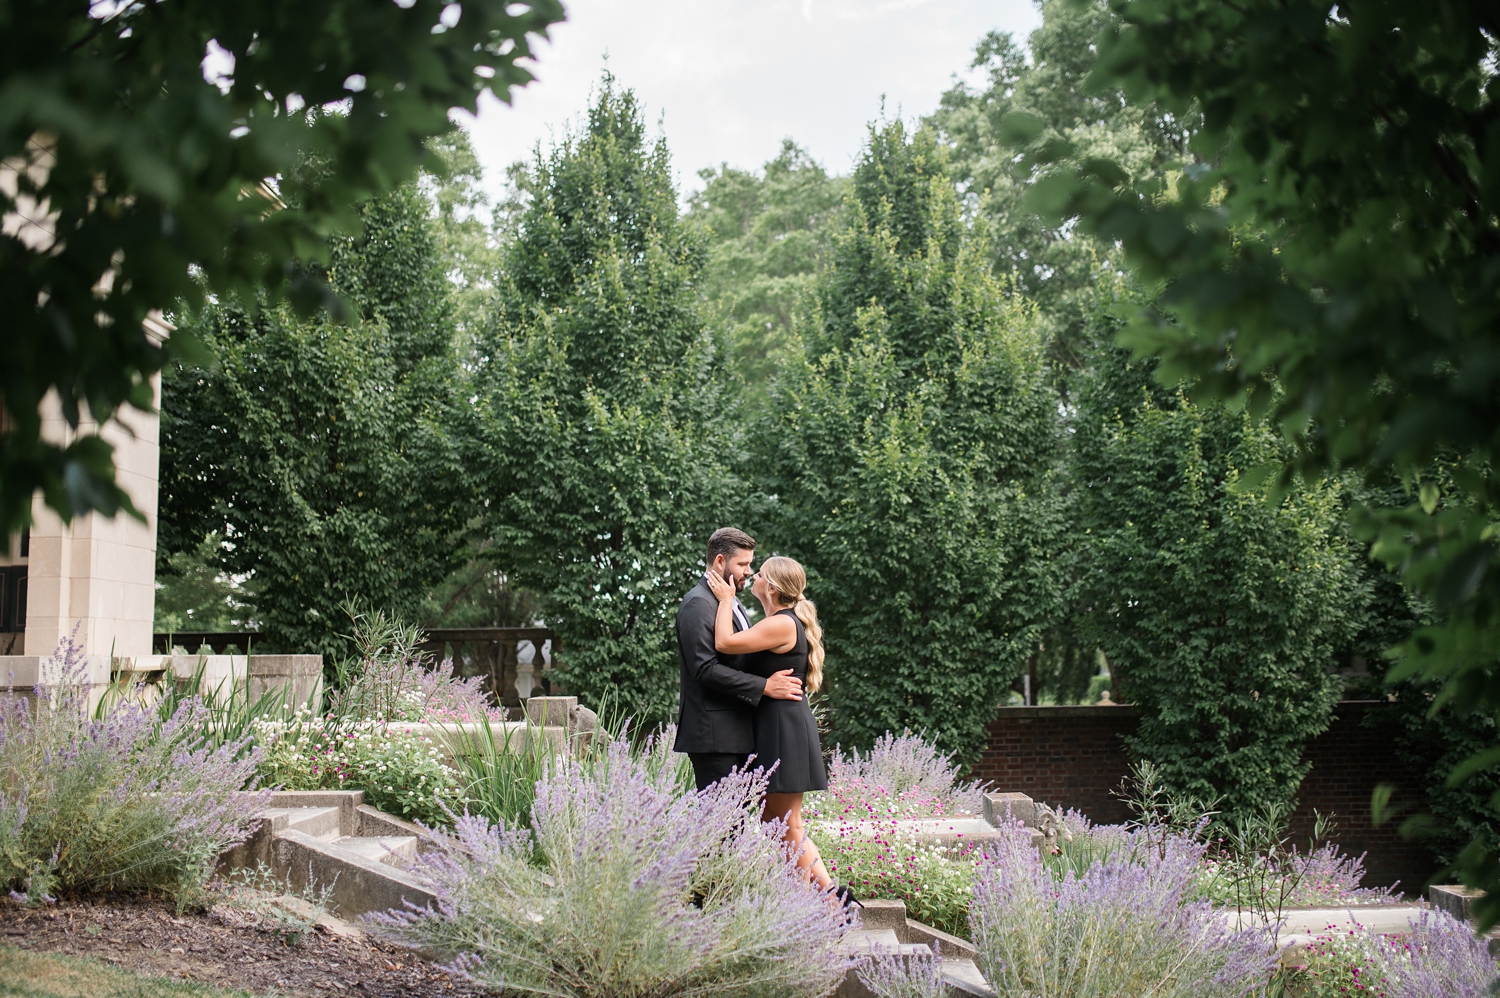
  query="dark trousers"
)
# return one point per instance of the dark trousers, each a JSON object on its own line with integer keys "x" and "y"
{"x": 711, "y": 767}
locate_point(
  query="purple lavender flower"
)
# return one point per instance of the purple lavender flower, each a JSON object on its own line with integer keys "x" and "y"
{"x": 121, "y": 800}
{"x": 1441, "y": 958}
{"x": 1120, "y": 927}
{"x": 625, "y": 885}
{"x": 901, "y": 975}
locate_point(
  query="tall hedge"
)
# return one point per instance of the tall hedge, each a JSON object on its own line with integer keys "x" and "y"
{"x": 326, "y": 456}
{"x": 604, "y": 407}
{"x": 904, "y": 455}
{"x": 1220, "y": 612}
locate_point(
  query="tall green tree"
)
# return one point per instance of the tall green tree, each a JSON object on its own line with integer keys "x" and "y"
{"x": 1050, "y": 262}
{"x": 1330, "y": 253}
{"x": 1220, "y": 613}
{"x": 906, "y": 453}
{"x": 768, "y": 236}
{"x": 605, "y": 406}
{"x": 326, "y": 458}
{"x": 137, "y": 140}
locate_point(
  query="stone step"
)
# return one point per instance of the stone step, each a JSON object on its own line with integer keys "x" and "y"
{"x": 886, "y": 929}
{"x": 357, "y": 883}
{"x": 963, "y": 977}
{"x": 862, "y": 941}
{"x": 1387, "y": 919}
{"x": 319, "y": 822}
{"x": 393, "y": 850}
{"x": 331, "y": 839}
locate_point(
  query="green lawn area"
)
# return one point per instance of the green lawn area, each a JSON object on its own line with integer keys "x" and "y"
{"x": 50, "y": 975}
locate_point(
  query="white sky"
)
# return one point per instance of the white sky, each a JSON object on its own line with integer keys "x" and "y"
{"x": 730, "y": 79}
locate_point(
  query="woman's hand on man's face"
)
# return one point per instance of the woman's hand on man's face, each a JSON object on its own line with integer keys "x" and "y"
{"x": 721, "y": 589}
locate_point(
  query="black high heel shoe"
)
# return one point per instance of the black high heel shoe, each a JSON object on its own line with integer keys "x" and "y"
{"x": 847, "y": 899}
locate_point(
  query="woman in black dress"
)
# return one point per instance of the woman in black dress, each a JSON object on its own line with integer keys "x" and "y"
{"x": 786, "y": 734}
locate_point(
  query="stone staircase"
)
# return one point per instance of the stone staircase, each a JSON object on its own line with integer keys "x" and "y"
{"x": 316, "y": 840}
{"x": 884, "y": 928}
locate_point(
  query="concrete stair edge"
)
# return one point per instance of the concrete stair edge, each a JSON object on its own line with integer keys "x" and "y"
{"x": 330, "y": 839}
{"x": 883, "y": 920}
{"x": 357, "y": 884}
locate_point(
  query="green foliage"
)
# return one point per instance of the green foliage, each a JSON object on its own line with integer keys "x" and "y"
{"x": 149, "y": 170}
{"x": 1050, "y": 264}
{"x": 328, "y": 456}
{"x": 768, "y": 237}
{"x": 1330, "y": 254}
{"x": 194, "y": 594}
{"x": 605, "y": 430}
{"x": 470, "y": 254}
{"x": 400, "y": 772}
{"x": 906, "y": 453}
{"x": 1219, "y": 611}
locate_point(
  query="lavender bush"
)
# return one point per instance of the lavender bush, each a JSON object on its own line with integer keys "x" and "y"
{"x": 627, "y": 888}
{"x": 902, "y": 776}
{"x": 892, "y": 975}
{"x": 1440, "y": 958}
{"x": 1122, "y": 927}
{"x": 392, "y": 679}
{"x": 122, "y": 801}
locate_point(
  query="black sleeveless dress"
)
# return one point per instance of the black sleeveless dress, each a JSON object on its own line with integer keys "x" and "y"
{"x": 785, "y": 730}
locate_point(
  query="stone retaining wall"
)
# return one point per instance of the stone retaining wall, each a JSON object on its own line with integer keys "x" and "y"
{"x": 1072, "y": 757}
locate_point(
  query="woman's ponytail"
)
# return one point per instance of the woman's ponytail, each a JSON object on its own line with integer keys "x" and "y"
{"x": 807, "y": 612}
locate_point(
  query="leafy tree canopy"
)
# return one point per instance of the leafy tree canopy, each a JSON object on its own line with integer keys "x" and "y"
{"x": 124, "y": 168}
{"x": 1330, "y": 254}
{"x": 605, "y": 410}
{"x": 325, "y": 460}
{"x": 768, "y": 237}
{"x": 906, "y": 450}
{"x": 1050, "y": 263}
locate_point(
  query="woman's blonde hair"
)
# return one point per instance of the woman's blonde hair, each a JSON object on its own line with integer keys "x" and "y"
{"x": 786, "y": 581}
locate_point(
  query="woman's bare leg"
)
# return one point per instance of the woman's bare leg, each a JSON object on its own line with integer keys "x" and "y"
{"x": 788, "y": 807}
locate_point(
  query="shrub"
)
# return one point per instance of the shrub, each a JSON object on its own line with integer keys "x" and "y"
{"x": 1218, "y": 610}
{"x": 625, "y": 887}
{"x": 1440, "y": 958}
{"x": 400, "y": 772}
{"x": 1119, "y": 928}
{"x": 122, "y": 801}
{"x": 936, "y": 883}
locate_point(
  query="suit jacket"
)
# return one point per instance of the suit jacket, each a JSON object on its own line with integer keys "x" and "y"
{"x": 718, "y": 700}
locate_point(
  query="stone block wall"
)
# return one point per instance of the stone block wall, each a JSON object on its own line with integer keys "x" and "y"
{"x": 1073, "y": 757}
{"x": 95, "y": 574}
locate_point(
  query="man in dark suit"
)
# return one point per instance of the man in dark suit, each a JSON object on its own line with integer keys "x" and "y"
{"x": 715, "y": 724}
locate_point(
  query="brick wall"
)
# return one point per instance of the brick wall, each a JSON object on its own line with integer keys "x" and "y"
{"x": 1072, "y": 757}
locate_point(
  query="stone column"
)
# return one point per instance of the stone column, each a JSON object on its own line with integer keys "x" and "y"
{"x": 94, "y": 578}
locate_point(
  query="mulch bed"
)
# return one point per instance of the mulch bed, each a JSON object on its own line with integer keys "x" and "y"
{"x": 227, "y": 947}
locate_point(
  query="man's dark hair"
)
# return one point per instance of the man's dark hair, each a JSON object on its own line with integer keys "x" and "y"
{"x": 728, "y": 540}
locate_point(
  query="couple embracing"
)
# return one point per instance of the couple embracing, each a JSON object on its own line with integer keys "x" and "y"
{"x": 743, "y": 687}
